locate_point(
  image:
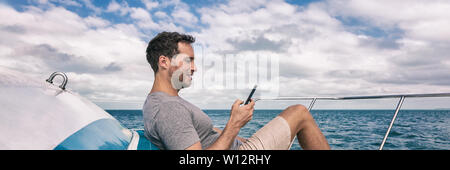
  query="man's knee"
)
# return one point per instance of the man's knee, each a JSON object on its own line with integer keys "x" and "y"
{"x": 297, "y": 111}
{"x": 296, "y": 116}
{"x": 298, "y": 107}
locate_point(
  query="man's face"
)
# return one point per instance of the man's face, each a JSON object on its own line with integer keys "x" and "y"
{"x": 182, "y": 67}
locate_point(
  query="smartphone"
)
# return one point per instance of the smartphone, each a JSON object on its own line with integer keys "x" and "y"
{"x": 251, "y": 94}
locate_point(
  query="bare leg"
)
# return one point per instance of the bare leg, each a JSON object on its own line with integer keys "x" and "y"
{"x": 303, "y": 126}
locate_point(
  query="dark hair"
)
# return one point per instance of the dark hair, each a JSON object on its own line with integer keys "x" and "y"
{"x": 166, "y": 44}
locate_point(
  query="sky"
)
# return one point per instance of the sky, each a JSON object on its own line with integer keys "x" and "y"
{"x": 321, "y": 47}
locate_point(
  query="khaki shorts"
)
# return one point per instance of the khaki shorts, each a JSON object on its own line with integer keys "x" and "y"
{"x": 275, "y": 135}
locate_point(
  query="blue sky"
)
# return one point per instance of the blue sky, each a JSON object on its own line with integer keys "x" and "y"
{"x": 83, "y": 9}
{"x": 325, "y": 48}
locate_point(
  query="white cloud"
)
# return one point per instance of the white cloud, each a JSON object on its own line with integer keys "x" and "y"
{"x": 113, "y": 6}
{"x": 94, "y": 53}
{"x": 184, "y": 17}
{"x": 143, "y": 17}
{"x": 90, "y": 5}
{"x": 96, "y": 22}
{"x": 180, "y": 15}
{"x": 319, "y": 53}
{"x": 140, "y": 14}
{"x": 423, "y": 43}
{"x": 149, "y": 4}
{"x": 161, "y": 15}
{"x": 174, "y": 3}
{"x": 425, "y": 20}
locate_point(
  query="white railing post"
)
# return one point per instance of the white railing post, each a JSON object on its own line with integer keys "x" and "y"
{"x": 399, "y": 105}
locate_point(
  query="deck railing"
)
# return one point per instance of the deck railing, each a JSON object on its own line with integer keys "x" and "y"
{"x": 399, "y": 104}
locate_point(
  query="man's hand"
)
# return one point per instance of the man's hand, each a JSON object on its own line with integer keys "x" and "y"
{"x": 241, "y": 115}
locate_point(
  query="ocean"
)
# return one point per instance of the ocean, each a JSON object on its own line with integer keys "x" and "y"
{"x": 346, "y": 129}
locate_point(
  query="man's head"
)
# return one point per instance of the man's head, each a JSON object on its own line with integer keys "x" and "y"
{"x": 171, "y": 55}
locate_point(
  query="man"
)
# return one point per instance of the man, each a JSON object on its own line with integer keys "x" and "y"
{"x": 171, "y": 122}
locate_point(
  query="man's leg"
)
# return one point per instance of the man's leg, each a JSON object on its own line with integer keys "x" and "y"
{"x": 303, "y": 126}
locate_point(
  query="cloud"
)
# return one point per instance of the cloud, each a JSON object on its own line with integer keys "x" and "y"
{"x": 143, "y": 18}
{"x": 49, "y": 58}
{"x": 97, "y": 55}
{"x": 140, "y": 14}
{"x": 425, "y": 20}
{"x": 96, "y": 22}
{"x": 322, "y": 53}
{"x": 419, "y": 52}
{"x": 381, "y": 43}
{"x": 113, "y": 6}
{"x": 259, "y": 43}
{"x": 13, "y": 29}
{"x": 324, "y": 47}
{"x": 184, "y": 17}
{"x": 161, "y": 15}
{"x": 149, "y": 4}
{"x": 113, "y": 67}
{"x": 90, "y": 5}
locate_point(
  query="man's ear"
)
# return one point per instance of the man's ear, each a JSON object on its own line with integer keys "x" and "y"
{"x": 164, "y": 62}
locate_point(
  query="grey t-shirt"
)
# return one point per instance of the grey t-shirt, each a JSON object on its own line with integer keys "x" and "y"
{"x": 172, "y": 123}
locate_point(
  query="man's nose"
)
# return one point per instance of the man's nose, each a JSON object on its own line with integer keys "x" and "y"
{"x": 193, "y": 67}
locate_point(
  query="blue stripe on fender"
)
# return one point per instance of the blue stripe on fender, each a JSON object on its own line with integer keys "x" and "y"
{"x": 102, "y": 134}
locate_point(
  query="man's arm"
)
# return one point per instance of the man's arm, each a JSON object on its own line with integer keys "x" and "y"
{"x": 239, "y": 116}
{"x": 237, "y": 137}
{"x": 224, "y": 141}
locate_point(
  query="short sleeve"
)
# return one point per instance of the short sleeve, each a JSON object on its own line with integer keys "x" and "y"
{"x": 175, "y": 126}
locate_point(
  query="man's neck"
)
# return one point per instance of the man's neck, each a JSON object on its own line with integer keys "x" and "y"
{"x": 162, "y": 85}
